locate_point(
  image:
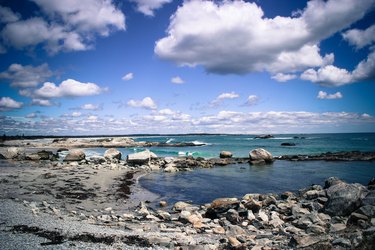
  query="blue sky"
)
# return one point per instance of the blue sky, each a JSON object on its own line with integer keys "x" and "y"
{"x": 163, "y": 66}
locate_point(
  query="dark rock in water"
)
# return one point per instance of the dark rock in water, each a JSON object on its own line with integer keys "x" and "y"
{"x": 260, "y": 156}
{"x": 75, "y": 155}
{"x": 371, "y": 183}
{"x": 343, "y": 198}
{"x": 46, "y": 155}
{"x": 226, "y": 154}
{"x": 339, "y": 156}
{"x": 2, "y": 157}
{"x": 112, "y": 153}
{"x": 264, "y": 136}
{"x": 288, "y": 144}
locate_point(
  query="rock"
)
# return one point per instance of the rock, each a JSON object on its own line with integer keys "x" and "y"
{"x": 112, "y": 153}
{"x": 288, "y": 144}
{"x": 260, "y": 155}
{"x": 233, "y": 216}
{"x": 343, "y": 198}
{"x": 331, "y": 181}
{"x": 97, "y": 159}
{"x": 250, "y": 215}
{"x": 163, "y": 203}
{"x": 371, "y": 182}
{"x": 253, "y": 205}
{"x": 355, "y": 217}
{"x": 337, "y": 227}
{"x": 264, "y": 136}
{"x": 262, "y": 216}
{"x": 170, "y": 168}
{"x": 369, "y": 199}
{"x": 2, "y": 157}
{"x": 342, "y": 242}
{"x": 220, "y": 206}
{"x": 180, "y": 205}
{"x": 226, "y": 154}
{"x": 305, "y": 241}
{"x": 367, "y": 210}
{"x": 315, "y": 229}
{"x": 12, "y": 153}
{"x": 142, "y": 209}
{"x": 312, "y": 194}
{"x": 233, "y": 242}
{"x": 141, "y": 157}
{"x": 218, "y": 230}
{"x": 45, "y": 155}
{"x": 75, "y": 155}
{"x": 163, "y": 215}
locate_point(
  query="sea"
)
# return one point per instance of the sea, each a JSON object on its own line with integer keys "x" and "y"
{"x": 204, "y": 185}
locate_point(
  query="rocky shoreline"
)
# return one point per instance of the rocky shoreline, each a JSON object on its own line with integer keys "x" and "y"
{"x": 97, "y": 203}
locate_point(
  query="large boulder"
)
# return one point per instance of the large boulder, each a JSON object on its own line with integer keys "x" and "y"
{"x": 226, "y": 154}
{"x": 112, "y": 153}
{"x": 75, "y": 155}
{"x": 12, "y": 153}
{"x": 141, "y": 157}
{"x": 260, "y": 156}
{"x": 343, "y": 198}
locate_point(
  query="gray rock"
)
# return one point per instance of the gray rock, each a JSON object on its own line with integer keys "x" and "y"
{"x": 112, "y": 153}
{"x": 141, "y": 157}
{"x": 97, "y": 159}
{"x": 260, "y": 155}
{"x": 170, "y": 168}
{"x": 369, "y": 199}
{"x": 343, "y": 198}
{"x": 226, "y": 154}
{"x": 342, "y": 242}
{"x": 331, "y": 181}
{"x": 180, "y": 205}
{"x": 75, "y": 155}
{"x": 305, "y": 241}
{"x": 367, "y": 210}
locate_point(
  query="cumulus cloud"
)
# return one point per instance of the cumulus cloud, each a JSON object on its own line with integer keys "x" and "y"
{"x": 128, "y": 77}
{"x": 280, "y": 77}
{"x": 32, "y": 115}
{"x": 7, "y": 15}
{"x": 198, "y": 32}
{"x": 67, "y": 88}
{"x": 252, "y": 100}
{"x": 42, "y": 102}
{"x": 76, "y": 114}
{"x": 7, "y": 103}
{"x": 148, "y": 7}
{"x": 218, "y": 100}
{"x": 360, "y": 38}
{"x": 146, "y": 103}
{"x": 65, "y": 26}
{"x": 26, "y": 76}
{"x": 90, "y": 106}
{"x": 177, "y": 80}
{"x": 330, "y": 75}
{"x": 325, "y": 95}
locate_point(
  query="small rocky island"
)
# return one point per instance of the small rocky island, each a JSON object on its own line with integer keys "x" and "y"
{"x": 95, "y": 202}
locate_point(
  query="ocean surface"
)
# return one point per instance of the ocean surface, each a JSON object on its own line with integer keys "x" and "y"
{"x": 204, "y": 185}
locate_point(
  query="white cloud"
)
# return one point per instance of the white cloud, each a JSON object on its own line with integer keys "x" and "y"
{"x": 177, "y": 80}
{"x": 89, "y": 106}
{"x": 42, "y": 102}
{"x": 360, "y": 38}
{"x": 198, "y": 35}
{"x": 66, "y": 26}
{"x": 148, "y": 7}
{"x": 324, "y": 95}
{"x": 128, "y": 77}
{"x": 76, "y": 114}
{"x": 146, "y": 103}
{"x": 7, "y": 15}
{"x": 252, "y": 100}
{"x": 68, "y": 88}
{"x": 330, "y": 75}
{"x": 7, "y": 103}
{"x": 26, "y": 76}
{"x": 32, "y": 115}
{"x": 280, "y": 77}
{"x": 218, "y": 100}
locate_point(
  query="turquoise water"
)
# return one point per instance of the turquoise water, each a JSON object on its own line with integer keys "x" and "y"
{"x": 240, "y": 145}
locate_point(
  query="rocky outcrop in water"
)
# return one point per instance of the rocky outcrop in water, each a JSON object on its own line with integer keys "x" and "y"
{"x": 260, "y": 156}
{"x": 112, "y": 154}
{"x": 338, "y": 156}
{"x": 226, "y": 154}
{"x": 141, "y": 157}
{"x": 263, "y": 137}
{"x": 75, "y": 155}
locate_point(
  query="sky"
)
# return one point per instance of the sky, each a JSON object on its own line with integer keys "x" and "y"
{"x": 113, "y": 67}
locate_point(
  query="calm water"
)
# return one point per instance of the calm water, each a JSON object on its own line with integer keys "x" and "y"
{"x": 204, "y": 185}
